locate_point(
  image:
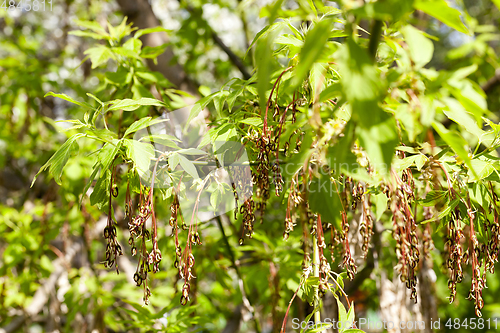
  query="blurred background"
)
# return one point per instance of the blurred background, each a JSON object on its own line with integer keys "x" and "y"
{"x": 51, "y": 275}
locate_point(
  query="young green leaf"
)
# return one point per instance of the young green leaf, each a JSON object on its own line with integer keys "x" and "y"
{"x": 69, "y": 99}
{"x": 314, "y": 45}
{"x": 141, "y": 154}
{"x": 200, "y": 105}
{"x": 100, "y": 194}
{"x": 434, "y": 197}
{"x": 97, "y": 167}
{"x": 309, "y": 316}
{"x": 440, "y": 10}
{"x": 342, "y": 316}
{"x": 133, "y": 104}
{"x": 99, "y": 55}
{"x": 188, "y": 166}
{"x": 142, "y": 123}
{"x": 254, "y": 121}
{"x": 421, "y": 48}
{"x": 57, "y": 162}
{"x": 142, "y": 32}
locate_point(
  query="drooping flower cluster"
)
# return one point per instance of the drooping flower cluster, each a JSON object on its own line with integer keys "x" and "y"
{"x": 405, "y": 230}
{"x": 456, "y": 255}
{"x": 113, "y": 248}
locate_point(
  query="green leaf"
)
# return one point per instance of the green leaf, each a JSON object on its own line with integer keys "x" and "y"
{"x": 97, "y": 167}
{"x": 173, "y": 160}
{"x": 340, "y": 157}
{"x": 480, "y": 194}
{"x": 133, "y": 104}
{"x": 162, "y": 139}
{"x": 192, "y": 151}
{"x": 198, "y": 106}
{"x": 380, "y": 205}
{"x": 263, "y": 33}
{"x": 324, "y": 199}
{"x": 108, "y": 153}
{"x": 254, "y": 121}
{"x": 143, "y": 123}
{"x": 361, "y": 82}
{"x": 99, "y": 55}
{"x": 332, "y": 91}
{"x": 440, "y": 10}
{"x": 100, "y": 194}
{"x": 91, "y": 25}
{"x": 432, "y": 198}
{"x": 121, "y": 77}
{"x": 317, "y": 80}
{"x": 458, "y": 114}
{"x": 155, "y": 77}
{"x": 421, "y": 48}
{"x": 142, "y": 32}
{"x": 314, "y": 45}
{"x": 290, "y": 40}
{"x": 342, "y": 315}
{"x": 267, "y": 64}
{"x": 351, "y": 315}
{"x": 141, "y": 154}
{"x": 380, "y": 140}
{"x": 151, "y": 52}
{"x": 122, "y": 51}
{"x": 456, "y": 142}
{"x": 309, "y": 316}
{"x": 216, "y": 198}
{"x": 133, "y": 44}
{"x": 188, "y": 166}
{"x": 57, "y": 162}
{"x": 420, "y": 161}
{"x": 482, "y": 169}
{"x": 93, "y": 35}
{"x": 95, "y": 98}
{"x": 69, "y": 99}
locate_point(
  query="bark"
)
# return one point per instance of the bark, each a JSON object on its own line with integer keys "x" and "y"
{"x": 494, "y": 81}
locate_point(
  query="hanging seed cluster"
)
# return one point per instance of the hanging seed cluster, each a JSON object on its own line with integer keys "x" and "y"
{"x": 478, "y": 279}
{"x": 405, "y": 231}
{"x": 493, "y": 246}
{"x": 113, "y": 248}
{"x": 324, "y": 266}
{"x": 347, "y": 259}
{"x": 355, "y": 201}
{"x": 148, "y": 261}
{"x": 366, "y": 219}
{"x": 294, "y": 200}
{"x": 239, "y": 182}
{"x": 456, "y": 255}
{"x": 264, "y": 146}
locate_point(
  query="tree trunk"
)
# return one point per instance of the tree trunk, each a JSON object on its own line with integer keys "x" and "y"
{"x": 140, "y": 13}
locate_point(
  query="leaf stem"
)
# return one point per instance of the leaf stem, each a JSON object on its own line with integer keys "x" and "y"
{"x": 317, "y": 314}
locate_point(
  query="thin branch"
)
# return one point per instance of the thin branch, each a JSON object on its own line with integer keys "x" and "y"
{"x": 492, "y": 82}
{"x": 235, "y": 60}
{"x": 232, "y": 56}
{"x": 375, "y": 38}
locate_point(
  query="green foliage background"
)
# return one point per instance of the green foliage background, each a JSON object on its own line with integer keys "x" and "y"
{"x": 424, "y": 68}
